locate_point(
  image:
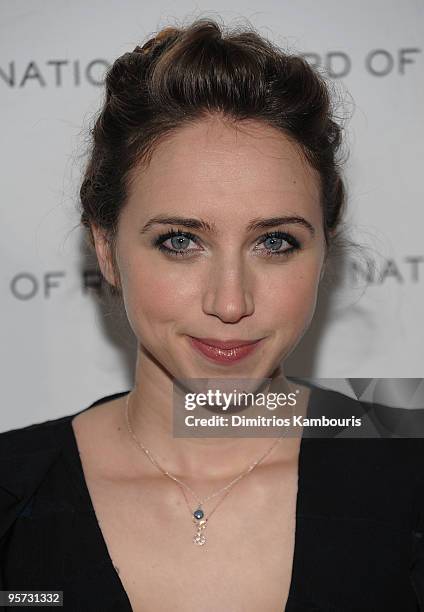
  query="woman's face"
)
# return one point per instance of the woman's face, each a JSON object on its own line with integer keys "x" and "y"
{"x": 234, "y": 282}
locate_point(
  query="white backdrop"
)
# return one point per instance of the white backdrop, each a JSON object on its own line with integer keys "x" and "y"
{"x": 59, "y": 351}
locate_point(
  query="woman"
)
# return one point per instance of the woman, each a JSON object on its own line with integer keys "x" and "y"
{"x": 213, "y": 199}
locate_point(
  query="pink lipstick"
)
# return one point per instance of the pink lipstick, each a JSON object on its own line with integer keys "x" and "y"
{"x": 227, "y": 351}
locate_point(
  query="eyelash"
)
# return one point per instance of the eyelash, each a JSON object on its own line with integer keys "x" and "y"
{"x": 158, "y": 243}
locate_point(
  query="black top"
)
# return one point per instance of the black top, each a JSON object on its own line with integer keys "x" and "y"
{"x": 359, "y": 543}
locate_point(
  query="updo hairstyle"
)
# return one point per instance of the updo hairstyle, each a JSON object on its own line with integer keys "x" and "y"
{"x": 184, "y": 74}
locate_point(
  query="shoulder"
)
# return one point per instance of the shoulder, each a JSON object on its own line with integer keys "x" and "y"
{"x": 378, "y": 420}
{"x": 370, "y": 441}
{"x": 28, "y": 455}
{"x": 32, "y": 438}
{"x": 45, "y": 437}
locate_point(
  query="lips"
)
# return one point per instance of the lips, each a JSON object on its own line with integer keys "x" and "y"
{"x": 224, "y": 352}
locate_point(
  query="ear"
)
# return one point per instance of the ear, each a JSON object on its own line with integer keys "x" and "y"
{"x": 104, "y": 256}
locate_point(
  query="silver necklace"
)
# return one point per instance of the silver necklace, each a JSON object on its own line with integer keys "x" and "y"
{"x": 198, "y": 515}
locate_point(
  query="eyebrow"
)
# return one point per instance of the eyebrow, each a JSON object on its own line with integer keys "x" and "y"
{"x": 200, "y": 224}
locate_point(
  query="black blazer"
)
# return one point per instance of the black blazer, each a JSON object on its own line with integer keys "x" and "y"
{"x": 359, "y": 543}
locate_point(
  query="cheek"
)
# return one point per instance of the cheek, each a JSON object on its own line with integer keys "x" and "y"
{"x": 153, "y": 296}
{"x": 294, "y": 298}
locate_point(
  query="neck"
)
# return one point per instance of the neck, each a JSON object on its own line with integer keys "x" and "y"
{"x": 151, "y": 417}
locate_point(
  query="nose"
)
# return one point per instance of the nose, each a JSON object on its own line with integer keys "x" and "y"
{"x": 228, "y": 294}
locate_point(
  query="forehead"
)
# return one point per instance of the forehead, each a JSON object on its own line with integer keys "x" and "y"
{"x": 215, "y": 163}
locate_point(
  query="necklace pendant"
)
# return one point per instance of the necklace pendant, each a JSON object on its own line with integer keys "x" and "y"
{"x": 198, "y": 514}
{"x": 199, "y": 537}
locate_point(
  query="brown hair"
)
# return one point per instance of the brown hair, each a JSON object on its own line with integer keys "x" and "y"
{"x": 183, "y": 74}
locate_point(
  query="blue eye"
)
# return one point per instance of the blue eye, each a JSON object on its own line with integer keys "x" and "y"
{"x": 180, "y": 240}
{"x": 274, "y": 241}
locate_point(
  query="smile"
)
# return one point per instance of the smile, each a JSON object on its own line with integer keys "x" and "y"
{"x": 223, "y": 355}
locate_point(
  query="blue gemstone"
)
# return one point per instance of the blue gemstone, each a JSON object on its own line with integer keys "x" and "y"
{"x": 198, "y": 514}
